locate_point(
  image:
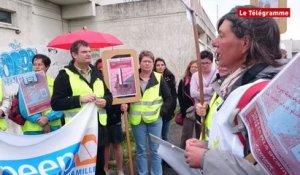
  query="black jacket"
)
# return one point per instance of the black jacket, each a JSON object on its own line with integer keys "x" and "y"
{"x": 184, "y": 98}
{"x": 113, "y": 115}
{"x": 170, "y": 80}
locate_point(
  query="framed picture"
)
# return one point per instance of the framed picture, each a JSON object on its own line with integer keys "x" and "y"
{"x": 282, "y": 22}
{"x": 120, "y": 72}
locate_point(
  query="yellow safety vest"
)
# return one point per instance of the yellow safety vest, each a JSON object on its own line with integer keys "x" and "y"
{"x": 3, "y": 123}
{"x": 81, "y": 88}
{"x": 213, "y": 105}
{"x": 148, "y": 108}
{"x": 29, "y": 126}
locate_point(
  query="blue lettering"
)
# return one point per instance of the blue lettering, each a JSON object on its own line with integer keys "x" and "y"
{"x": 16, "y": 62}
{"x": 8, "y": 65}
{"x": 59, "y": 162}
{"x": 86, "y": 170}
{"x": 27, "y": 170}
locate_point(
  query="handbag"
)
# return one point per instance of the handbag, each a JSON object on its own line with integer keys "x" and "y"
{"x": 179, "y": 119}
{"x": 191, "y": 113}
{"x": 14, "y": 112}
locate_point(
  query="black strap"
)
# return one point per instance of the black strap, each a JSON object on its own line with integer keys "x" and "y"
{"x": 251, "y": 74}
{"x": 186, "y": 94}
{"x": 62, "y": 120}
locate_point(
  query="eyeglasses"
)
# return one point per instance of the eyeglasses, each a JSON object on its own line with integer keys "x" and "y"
{"x": 146, "y": 61}
{"x": 38, "y": 64}
{"x": 205, "y": 63}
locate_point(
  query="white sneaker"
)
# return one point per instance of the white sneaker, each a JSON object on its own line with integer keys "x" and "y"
{"x": 107, "y": 172}
{"x": 120, "y": 173}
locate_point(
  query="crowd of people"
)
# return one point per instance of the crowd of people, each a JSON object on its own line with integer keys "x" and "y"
{"x": 247, "y": 50}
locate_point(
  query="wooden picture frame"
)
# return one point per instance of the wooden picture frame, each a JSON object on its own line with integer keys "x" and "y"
{"x": 282, "y": 22}
{"x": 120, "y": 72}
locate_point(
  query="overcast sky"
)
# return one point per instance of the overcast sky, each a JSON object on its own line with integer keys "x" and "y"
{"x": 224, "y": 6}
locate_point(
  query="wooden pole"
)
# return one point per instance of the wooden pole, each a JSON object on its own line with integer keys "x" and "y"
{"x": 196, "y": 38}
{"x": 128, "y": 143}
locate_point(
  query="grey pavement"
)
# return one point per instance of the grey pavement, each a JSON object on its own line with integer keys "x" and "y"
{"x": 174, "y": 138}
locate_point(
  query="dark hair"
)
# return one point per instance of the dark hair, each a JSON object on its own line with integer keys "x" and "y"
{"x": 159, "y": 59}
{"x": 207, "y": 54}
{"x": 145, "y": 53}
{"x": 98, "y": 61}
{"x": 75, "y": 46}
{"x": 167, "y": 72}
{"x": 187, "y": 72}
{"x": 263, "y": 33}
{"x": 46, "y": 60}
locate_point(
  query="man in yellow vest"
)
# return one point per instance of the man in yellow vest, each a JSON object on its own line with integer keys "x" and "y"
{"x": 80, "y": 83}
{"x": 48, "y": 120}
{"x": 5, "y": 104}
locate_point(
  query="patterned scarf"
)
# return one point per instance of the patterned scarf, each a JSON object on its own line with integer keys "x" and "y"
{"x": 227, "y": 84}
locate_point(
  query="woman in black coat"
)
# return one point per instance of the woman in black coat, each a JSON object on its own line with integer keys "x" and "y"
{"x": 186, "y": 101}
{"x": 160, "y": 67}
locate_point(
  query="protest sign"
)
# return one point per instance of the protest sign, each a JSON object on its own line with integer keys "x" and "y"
{"x": 35, "y": 92}
{"x": 272, "y": 121}
{"x": 120, "y": 71}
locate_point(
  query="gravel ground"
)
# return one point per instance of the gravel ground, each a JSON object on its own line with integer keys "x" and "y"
{"x": 174, "y": 137}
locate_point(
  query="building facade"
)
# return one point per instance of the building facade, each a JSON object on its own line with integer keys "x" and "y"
{"x": 292, "y": 47}
{"x": 160, "y": 26}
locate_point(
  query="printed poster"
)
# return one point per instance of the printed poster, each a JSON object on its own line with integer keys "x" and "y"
{"x": 273, "y": 122}
{"x": 121, "y": 77}
{"x": 34, "y": 88}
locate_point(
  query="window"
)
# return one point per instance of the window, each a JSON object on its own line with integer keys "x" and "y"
{"x": 294, "y": 53}
{"x": 5, "y": 17}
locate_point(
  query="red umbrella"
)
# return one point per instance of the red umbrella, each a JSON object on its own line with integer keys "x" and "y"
{"x": 95, "y": 39}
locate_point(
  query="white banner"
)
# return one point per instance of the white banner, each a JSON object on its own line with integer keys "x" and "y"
{"x": 69, "y": 150}
{"x": 177, "y": 160}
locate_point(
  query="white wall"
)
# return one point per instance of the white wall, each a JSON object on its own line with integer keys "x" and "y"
{"x": 107, "y": 2}
{"x": 160, "y": 26}
{"x": 39, "y": 22}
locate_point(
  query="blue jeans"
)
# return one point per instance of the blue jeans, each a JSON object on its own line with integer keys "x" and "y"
{"x": 165, "y": 130}
{"x": 141, "y": 134}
